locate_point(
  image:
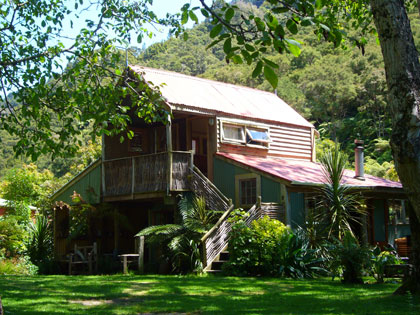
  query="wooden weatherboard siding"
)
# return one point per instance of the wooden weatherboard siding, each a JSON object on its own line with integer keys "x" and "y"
{"x": 286, "y": 140}
{"x": 224, "y": 178}
{"x": 87, "y": 184}
{"x": 291, "y": 141}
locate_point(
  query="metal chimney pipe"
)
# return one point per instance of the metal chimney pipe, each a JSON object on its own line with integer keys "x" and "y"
{"x": 359, "y": 159}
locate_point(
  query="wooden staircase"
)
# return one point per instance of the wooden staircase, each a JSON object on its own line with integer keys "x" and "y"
{"x": 214, "y": 243}
{"x": 217, "y": 265}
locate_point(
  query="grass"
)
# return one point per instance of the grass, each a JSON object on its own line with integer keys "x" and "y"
{"x": 119, "y": 294}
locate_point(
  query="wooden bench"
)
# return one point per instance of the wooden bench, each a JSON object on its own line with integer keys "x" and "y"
{"x": 84, "y": 255}
{"x": 398, "y": 271}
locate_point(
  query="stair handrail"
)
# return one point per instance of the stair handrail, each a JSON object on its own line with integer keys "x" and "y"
{"x": 213, "y": 186}
{"x": 221, "y": 219}
{"x": 255, "y": 213}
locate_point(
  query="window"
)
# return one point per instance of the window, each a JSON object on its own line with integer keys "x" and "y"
{"x": 397, "y": 213}
{"x": 242, "y": 134}
{"x": 136, "y": 142}
{"x": 257, "y": 136}
{"x": 233, "y": 133}
{"x": 247, "y": 189}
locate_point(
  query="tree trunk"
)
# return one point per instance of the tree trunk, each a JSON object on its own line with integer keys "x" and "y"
{"x": 402, "y": 69}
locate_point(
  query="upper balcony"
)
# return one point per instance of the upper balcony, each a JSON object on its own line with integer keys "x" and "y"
{"x": 146, "y": 176}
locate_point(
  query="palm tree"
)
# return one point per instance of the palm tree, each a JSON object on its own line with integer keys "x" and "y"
{"x": 182, "y": 240}
{"x": 339, "y": 205}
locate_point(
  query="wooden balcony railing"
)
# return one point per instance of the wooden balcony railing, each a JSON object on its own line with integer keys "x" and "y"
{"x": 166, "y": 171}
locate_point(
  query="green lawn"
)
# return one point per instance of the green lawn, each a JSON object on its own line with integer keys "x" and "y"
{"x": 120, "y": 294}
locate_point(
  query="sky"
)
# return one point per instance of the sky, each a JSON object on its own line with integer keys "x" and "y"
{"x": 159, "y": 7}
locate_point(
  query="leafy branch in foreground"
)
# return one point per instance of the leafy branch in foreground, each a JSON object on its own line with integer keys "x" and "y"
{"x": 49, "y": 74}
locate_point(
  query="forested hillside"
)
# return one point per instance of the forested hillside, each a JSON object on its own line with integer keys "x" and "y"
{"x": 341, "y": 91}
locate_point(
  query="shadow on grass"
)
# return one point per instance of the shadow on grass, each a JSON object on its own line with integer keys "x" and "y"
{"x": 120, "y": 294}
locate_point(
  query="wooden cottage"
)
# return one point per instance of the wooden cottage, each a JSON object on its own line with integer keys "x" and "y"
{"x": 229, "y": 143}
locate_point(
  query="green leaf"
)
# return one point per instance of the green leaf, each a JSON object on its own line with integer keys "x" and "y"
{"x": 249, "y": 47}
{"x": 193, "y": 16}
{"x": 294, "y": 47}
{"x": 306, "y": 22}
{"x": 319, "y": 4}
{"x": 270, "y": 63}
{"x": 205, "y": 13}
{"x": 271, "y": 76}
{"x": 216, "y": 30}
{"x": 260, "y": 24}
{"x": 291, "y": 26}
{"x": 139, "y": 38}
{"x": 227, "y": 46}
{"x": 118, "y": 72}
{"x": 258, "y": 69}
{"x": 237, "y": 59}
{"x": 280, "y": 10}
{"x": 185, "y": 36}
{"x": 184, "y": 17}
{"x": 215, "y": 42}
{"x": 229, "y": 14}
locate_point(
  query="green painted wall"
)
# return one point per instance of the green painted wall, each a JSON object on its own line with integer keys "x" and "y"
{"x": 379, "y": 220}
{"x": 88, "y": 186}
{"x": 224, "y": 179}
{"x": 297, "y": 209}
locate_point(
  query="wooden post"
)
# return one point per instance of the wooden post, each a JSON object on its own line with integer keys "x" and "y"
{"x": 103, "y": 167}
{"x": 191, "y": 159}
{"x": 1, "y": 307}
{"x": 116, "y": 230}
{"x": 211, "y": 145}
{"x": 125, "y": 265}
{"x": 132, "y": 177}
{"x": 141, "y": 254}
{"x": 169, "y": 150}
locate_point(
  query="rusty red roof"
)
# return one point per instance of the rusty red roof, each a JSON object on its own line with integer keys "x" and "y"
{"x": 304, "y": 172}
{"x": 217, "y": 97}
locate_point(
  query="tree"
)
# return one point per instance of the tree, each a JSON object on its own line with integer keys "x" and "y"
{"x": 55, "y": 83}
{"x": 248, "y": 40}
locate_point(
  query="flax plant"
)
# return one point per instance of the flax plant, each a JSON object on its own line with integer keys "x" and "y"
{"x": 340, "y": 207}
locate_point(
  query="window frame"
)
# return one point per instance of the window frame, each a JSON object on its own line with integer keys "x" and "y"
{"x": 232, "y": 140}
{"x": 246, "y": 129}
{"x": 240, "y": 178}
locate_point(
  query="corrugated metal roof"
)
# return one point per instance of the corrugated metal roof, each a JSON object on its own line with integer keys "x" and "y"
{"x": 218, "y": 97}
{"x": 305, "y": 172}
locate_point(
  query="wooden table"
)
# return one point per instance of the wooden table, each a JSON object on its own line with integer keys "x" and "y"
{"x": 126, "y": 257}
{"x": 139, "y": 256}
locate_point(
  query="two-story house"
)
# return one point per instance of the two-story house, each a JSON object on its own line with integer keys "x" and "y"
{"x": 228, "y": 142}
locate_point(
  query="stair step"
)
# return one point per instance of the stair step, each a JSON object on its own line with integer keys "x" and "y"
{"x": 224, "y": 256}
{"x": 217, "y": 265}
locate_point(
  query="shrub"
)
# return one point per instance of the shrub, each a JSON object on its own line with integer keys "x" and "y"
{"x": 379, "y": 260}
{"x": 40, "y": 244}
{"x": 256, "y": 250}
{"x": 12, "y": 237}
{"x": 299, "y": 260}
{"x": 350, "y": 257}
{"x": 17, "y": 266}
{"x": 268, "y": 247}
